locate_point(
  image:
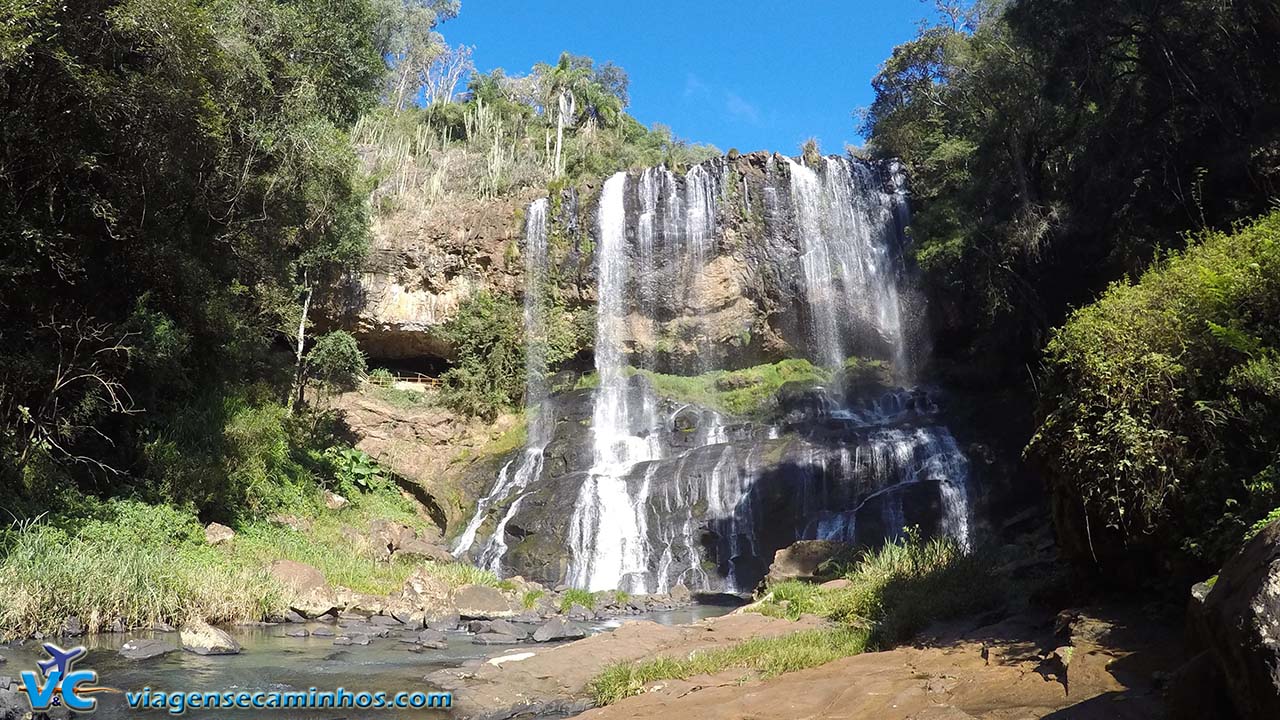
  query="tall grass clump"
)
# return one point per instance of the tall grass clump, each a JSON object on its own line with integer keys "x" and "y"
{"x": 764, "y": 657}
{"x": 895, "y": 590}
{"x": 576, "y": 596}
{"x": 133, "y": 562}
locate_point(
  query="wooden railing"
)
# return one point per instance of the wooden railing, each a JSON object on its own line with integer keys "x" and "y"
{"x": 385, "y": 380}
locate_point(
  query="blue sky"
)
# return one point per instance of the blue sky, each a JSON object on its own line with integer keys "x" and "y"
{"x": 750, "y": 75}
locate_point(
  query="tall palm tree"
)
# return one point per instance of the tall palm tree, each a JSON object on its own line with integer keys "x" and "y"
{"x": 572, "y": 86}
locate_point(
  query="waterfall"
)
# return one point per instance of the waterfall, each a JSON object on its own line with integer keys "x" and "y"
{"x": 606, "y": 542}
{"x": 845, "y": 259}
{"x": 677, "y": 493}
{"x": 517, "y": 474}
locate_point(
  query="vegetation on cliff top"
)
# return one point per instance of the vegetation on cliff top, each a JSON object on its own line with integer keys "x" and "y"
{"x": 504, "y": 135}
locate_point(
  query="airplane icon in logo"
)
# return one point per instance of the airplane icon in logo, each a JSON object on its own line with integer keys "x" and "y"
{"x": 61, "y": 661}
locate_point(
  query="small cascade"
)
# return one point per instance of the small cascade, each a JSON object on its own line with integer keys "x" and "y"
{"x": 846, "y": 258}
{"x": 517, "y": 474}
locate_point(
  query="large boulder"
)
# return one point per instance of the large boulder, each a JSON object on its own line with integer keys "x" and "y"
{"x": 389, "y": 535}
{"x": 801, "y": 560}
{"x": 1241, "y": 625}
{"x": 315, "y": 603}
{"x": 217, "y": 534}
{"x": 299, "y": 577}
{"x": 312, "y": 597}
{"x": 681, "y": 594}
{"x": 482, "y": 602}
{"x": 557, "y": 629}
{"x": 417, "y": 548}
{"x": 204, "y": 639}
{"x": 425, "y": 591}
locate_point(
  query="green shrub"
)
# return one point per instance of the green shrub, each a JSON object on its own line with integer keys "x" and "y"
{"x": 574, "y": 596}
{"x": 488, "y": 340}
{"x": 335, "y": 362}
{"x": 355, "y": 471}
{"x": 262, "y": 472}
{"x": 1161, "y": 401}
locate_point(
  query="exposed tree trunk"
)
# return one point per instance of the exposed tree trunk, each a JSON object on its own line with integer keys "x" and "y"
{"x": 1020, "y": 172}
{"x": 404, "y": 81}
{"x": 562, "y": 101}
{"x": 299, "y": 370}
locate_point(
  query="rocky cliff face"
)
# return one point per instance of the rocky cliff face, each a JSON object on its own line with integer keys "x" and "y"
{"x": 724, "y": 493}
{"x": 421, "y": 268}
{"x": 445, "y": 461}
{"x": 719, "y": 259}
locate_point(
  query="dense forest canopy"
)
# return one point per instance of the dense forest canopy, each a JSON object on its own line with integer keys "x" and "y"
{"x": 1055, "y": 145}
{"x": 175, "y": 176}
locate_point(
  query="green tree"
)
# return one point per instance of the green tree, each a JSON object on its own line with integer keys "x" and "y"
{"x": 1161, "y": 406}
{"x": 1054, "y": 146}
{"x": 581, "y": 93}
{"x": 175, "y": 177}
{"x": 335, "y": 363}
{"x": 488, "y": 343}
{"x": 411, "y": 44}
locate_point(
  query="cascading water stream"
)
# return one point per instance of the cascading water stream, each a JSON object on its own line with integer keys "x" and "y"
{"x": 517, "y": 474}
{"x": 845, "y": 258}
{"x": 606, "y": 542}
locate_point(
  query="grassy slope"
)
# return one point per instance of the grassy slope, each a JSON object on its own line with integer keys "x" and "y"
{"x": 144, "y": 563}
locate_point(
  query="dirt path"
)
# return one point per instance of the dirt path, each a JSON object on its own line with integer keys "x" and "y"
{"x": 1007, "y": 671}
{"x": 554, "y": 680}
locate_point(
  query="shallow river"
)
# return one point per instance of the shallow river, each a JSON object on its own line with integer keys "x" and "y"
{"x": 270, "y": 661}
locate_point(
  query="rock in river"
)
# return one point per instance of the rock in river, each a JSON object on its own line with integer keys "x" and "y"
{"x": 491, "y": 638}
{"x": 203, "y": 639}
{"x": 479, "y": 602}
{"x": 145, "y": 648}
{"x": 557, "y": 629}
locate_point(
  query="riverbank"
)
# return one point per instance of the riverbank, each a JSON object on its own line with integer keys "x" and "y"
{"x": 1110, "y": 662}
{"x": 126, "y": 565}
